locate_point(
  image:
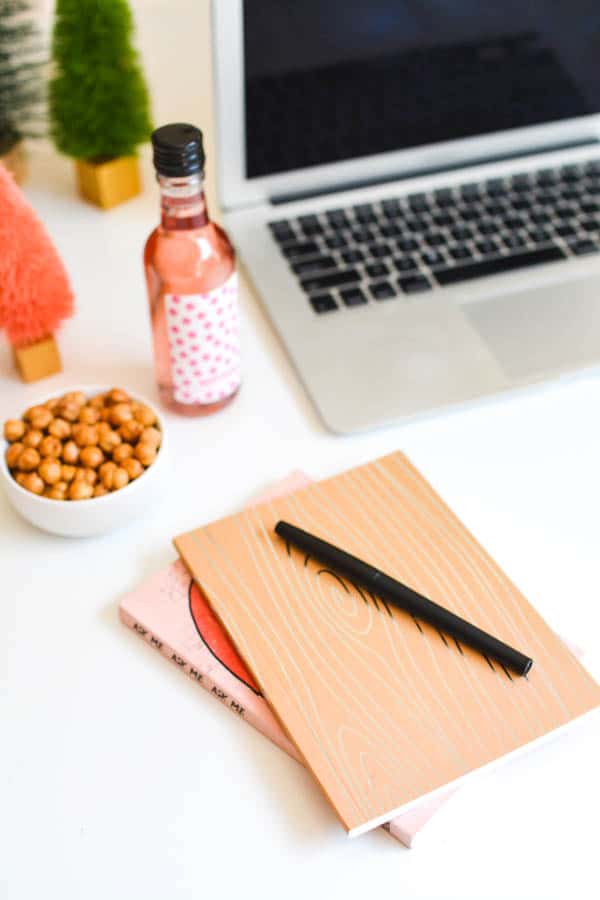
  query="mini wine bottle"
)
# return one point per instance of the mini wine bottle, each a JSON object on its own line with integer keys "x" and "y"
{"x": 192, "y": 284}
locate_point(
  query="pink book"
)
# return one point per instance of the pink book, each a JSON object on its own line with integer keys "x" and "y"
{"x": 170, "y": 612}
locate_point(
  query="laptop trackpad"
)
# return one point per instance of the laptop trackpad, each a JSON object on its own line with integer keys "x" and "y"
{"x": 542, "y": 329}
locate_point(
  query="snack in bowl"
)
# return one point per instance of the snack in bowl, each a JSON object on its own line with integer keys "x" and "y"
{"x": 76, "y": 447}
{"x": 102, "y": 451}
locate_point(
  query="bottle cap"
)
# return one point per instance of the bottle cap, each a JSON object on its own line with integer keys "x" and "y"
{"x": 178, "y": 150}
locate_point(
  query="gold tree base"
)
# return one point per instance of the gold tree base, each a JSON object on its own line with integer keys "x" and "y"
{"x": 106, "y": 184}
{"x": 38, "y": 360}
{"x": 16, "y": 162}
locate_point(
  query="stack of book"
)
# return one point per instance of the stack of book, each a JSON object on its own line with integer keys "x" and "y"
{"x": 388, "y": 713}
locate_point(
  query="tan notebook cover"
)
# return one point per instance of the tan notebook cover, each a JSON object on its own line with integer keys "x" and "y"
{"x": 383, "y": 708}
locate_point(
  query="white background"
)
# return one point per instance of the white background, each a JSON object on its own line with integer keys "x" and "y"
{"x": 120, "y": 777}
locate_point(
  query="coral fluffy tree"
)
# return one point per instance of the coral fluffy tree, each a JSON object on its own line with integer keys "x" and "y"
{"x": 35, "y": 295}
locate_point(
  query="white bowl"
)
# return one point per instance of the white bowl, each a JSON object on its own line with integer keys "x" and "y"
{"x": 84, "y": 518}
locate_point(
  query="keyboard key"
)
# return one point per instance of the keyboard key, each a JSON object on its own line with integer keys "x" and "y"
{"x": 337, "y": 217}
{"x": 364, "y": 213}
{"x": 334, "y": 279}
{"x": 496, "y": 187}
{"x": 589, "y": 207}
{"x": 486, "y": 248}
{"x": 540, "y": 218}
{"x": 391, "y": 208}
{"x": 520, "y": 183}
{"x": 593, "y": 167}
{"x": 565, "y": 231}
{"x": 415, "y": 284}
{"x": 443, "y": 220}
{"x": 498, "y": 265}
{"x": 513, "y": 222}
{"x": 460, "y": 252}
{"x": 444, "y": 198}
{"x": 335, "y": 241}
{"x": 494, "y": 209}
{"x": 488, "y": 228}
{"x": 314, "y": 264}
{"x": 571, "y": 173}
{"x": 406, "y": 244}
{"x": 590, "y": 225}
{"x": 418, "y": 203}
{"x": 379, "y": 251}
{"x": 382, "y": 290}
{"x": 310, "y": 225}
{"x": 306, "y": 248}
{"x": 469, "y": 191}
{"x": 583, "y": 247}
{"x": 282, "y": 230}
{"x": 546, "y": 177}
{"x": 461, "y": 233}
{"x": 435, "y": 239}
{"x": 390, "y": 229}
{"x": 514, "y": 241}
{"x": 472, "y": 214}
{"x": 377, "y": 270}
{"x": 416, "y": 225}
{"x": 540, "y": 235}
{"x": 405, "y": 263}
{"x": 361, "y": 235}
{"x": 433, "y": 258}
{"x": 353, "y": 297}
{"x": 322, "y": 303}
{"x": 521, "y": 204}
{"x": 353, "y": 256}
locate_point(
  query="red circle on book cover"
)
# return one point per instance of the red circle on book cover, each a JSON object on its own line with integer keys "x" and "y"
{"x": 214, "y": 637}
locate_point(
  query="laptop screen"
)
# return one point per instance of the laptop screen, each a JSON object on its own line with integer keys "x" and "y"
{"x": 332, "y": 80}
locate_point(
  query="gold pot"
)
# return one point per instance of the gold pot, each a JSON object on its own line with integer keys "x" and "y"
{"x": 108, "y": 183}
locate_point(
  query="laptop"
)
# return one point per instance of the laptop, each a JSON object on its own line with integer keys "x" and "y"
{"x": 414, "y": 191}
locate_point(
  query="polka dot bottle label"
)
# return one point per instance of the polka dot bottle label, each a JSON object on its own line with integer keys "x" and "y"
{"x": 204, "y": 343}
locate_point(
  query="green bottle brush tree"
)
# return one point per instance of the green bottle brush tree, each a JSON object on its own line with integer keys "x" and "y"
{"x": 99, "y": 105}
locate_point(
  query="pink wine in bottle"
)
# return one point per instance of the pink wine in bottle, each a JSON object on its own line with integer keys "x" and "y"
{"x": 192, "y": 284}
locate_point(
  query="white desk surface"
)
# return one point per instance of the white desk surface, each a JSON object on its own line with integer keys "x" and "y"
{"x": 123, "y": 778}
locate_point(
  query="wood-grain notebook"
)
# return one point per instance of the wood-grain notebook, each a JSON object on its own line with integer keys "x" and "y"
{"x": 383, "y": 708}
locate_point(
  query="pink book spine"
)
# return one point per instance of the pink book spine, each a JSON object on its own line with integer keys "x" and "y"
{"x": 214, "y": 680}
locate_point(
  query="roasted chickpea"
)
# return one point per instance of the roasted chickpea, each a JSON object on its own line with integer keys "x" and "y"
{"x": 85, "y": 435}
{"x": 97, "y": 402}
{"x": 68, "y": 411}
{"x": 91, "y": 457}
{"x": 14, "y": 429}
{"x": 56, "y": 493}
{"x": 13, "y": 453}
{"x": 117, "y": 396}
{"x": 59, "y": 428}
{"x": 80, "y": 490}
{"x": 88, "y": 415}
{"x": 50, "y": 446}
{"x": 88, "y": 475}
{"x": 29, "y": 460}
{"x": 106, "y": 472}
{"x": 109, "y": 440}
{"x": 52, "y": 404}
{"x": 146, "y": 454}
{"x": 70, "y": 453}
{"x": 120, "y": 413}
{"x": 40, "y": 418}
{"x": 67, "y": 473}
{"x": 76, "y": 397}
{"x": 50, "y": 470}
{"x": 20, "y": 478}
{"x": 123, "y": 451}
{"x": 100, "y": 490}
{"x": 33, "y": 438}
{"x": 120, "y": 479}
{"x": 133, "y": 467}
{"x": 144, "y": 415}
{"x": 32, "y": 482}
{"x": 151, "y": 436}
{"x": 131, "y": 430}
{"x": 33, "y": 411}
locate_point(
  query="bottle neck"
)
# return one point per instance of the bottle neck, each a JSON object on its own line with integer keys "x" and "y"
{"x": 182, "y": 202}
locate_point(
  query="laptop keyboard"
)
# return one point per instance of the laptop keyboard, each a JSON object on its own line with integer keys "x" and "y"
{"x": 375, "y": 252}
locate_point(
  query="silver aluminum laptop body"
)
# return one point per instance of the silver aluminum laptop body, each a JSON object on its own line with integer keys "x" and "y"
{"x": 386, "y": 362}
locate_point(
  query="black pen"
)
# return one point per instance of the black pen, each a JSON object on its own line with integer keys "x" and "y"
{"x": 398, "y": 594}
